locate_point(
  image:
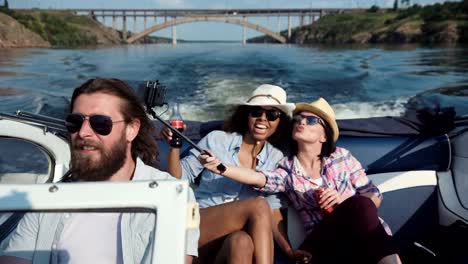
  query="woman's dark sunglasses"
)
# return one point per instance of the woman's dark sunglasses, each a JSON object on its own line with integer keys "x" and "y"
{"x": 310, "y": 120}
{"x": 271, "y": 114}
{"x": 101, "y": 124}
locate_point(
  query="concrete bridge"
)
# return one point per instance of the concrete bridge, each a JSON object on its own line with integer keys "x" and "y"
{"x": 172, "y": 17}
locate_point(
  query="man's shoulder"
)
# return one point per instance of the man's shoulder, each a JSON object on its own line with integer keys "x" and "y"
{"x": 146, "y": 172}
{"x": 156, "y": 174}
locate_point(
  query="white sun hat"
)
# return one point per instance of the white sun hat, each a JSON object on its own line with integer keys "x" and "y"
{"x": 270, "y": 95}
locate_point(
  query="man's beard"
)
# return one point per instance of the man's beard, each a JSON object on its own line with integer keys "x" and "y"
{"x": 85, "y": 168}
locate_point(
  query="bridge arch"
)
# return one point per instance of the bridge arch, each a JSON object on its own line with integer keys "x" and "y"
{"x": 184, "y": 20}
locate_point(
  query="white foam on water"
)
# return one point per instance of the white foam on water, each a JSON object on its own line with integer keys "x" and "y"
{"x": 214, "y": 96}
{"x": 39, "y": 102}
{"x": 370, "y": 109}
{"x": 24, "y": 102}
{"x": 348, "y": 110}
{"x": 227, "y": 91}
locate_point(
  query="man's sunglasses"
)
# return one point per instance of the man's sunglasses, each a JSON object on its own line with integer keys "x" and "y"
{"x": 310, "y": 120}
{"x": 271, "y": 114}
{"x": 101, "y": 124}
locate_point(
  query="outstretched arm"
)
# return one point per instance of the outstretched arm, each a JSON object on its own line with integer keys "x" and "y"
{"x": 173, "y": 162}
{"x": 239, "y": 174}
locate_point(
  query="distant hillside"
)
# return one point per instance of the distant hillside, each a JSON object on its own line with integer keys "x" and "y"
{"x": 436, "y": 24}
{"x": 13, "y": 35}
{"x": 60, "y": 29}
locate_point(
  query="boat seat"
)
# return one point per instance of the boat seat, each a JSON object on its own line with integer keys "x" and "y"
{"x": 376, "y": 154}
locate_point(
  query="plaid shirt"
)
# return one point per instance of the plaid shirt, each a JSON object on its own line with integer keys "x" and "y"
{"x": 340, "y": 171}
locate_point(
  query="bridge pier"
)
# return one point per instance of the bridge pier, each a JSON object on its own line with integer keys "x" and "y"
{"x": 289, "y": 28}
{"x": 93, "y": 16}
{"x": 134, "y": 24}
{"x": 244, "y": 34}
{"x": 174, "y": 35}
{"x": 279, "y": 25}
{"x": 124, "y": 27}
{"x": 114, "y": 25}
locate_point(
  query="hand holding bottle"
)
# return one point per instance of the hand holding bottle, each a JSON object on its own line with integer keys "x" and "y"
{"x": 327, "y": 198}
{"x": 176, "y": 122}
{"x": 175, "y": 139}
{"x": 166, "y": 133}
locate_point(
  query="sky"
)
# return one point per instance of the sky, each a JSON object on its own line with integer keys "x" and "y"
{"x": 206, "y": 30}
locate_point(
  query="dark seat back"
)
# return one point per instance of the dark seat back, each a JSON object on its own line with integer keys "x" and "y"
{"x": 377, "y": 154}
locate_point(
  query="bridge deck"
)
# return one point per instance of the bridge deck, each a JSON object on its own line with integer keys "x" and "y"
{"x": 210, "y": 12}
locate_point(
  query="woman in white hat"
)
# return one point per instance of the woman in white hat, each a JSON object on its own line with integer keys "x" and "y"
{"x": 329, "y": 188}
{"x": 235, "y": 224}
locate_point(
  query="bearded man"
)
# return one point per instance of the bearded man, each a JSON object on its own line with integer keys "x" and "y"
{"x": 111, "y": 140}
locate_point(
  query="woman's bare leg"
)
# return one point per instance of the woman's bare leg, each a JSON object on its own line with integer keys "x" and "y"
{"x": 238, "y": 247}
{"x": 252, "y": 215}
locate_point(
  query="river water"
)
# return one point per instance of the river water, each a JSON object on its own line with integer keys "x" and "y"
{"x": 205, "y": 77}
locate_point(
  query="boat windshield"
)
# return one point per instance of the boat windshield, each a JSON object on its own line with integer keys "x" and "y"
{"x": 92, "y": 236}
{"x": 22, "y": 161}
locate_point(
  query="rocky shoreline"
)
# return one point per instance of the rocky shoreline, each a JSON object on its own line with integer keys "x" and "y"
{"x": 448, "y": 33}
{"x": 15, "y": 35}
{"x": 445, "y": 23}
{"x": 59, "y": 29}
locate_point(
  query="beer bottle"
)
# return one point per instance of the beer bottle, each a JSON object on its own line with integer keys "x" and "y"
{"x": 177, "y": 123}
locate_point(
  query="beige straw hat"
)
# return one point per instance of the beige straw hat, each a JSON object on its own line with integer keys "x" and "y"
{"x": 322, "y": 109}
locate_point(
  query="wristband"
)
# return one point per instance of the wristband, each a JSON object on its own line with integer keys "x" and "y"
{"x": 221, "y": 168}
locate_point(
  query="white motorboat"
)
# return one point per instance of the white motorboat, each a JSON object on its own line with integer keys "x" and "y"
{"x": 421, "y": 169}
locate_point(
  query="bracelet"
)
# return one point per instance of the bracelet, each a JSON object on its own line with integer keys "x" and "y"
{"x": 221, "y": 168}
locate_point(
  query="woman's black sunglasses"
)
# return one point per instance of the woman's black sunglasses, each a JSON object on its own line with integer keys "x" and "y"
{"x": 101, "y": 124}
{"x": 271, "y": 114}
{"x": 310, "y": 120}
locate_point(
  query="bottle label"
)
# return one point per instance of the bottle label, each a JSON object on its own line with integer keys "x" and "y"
{"x": 177, "y": 123}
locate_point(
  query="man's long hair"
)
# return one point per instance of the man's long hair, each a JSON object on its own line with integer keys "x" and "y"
{"x": 238, "y": 122}
{"x": 144, "y": 145}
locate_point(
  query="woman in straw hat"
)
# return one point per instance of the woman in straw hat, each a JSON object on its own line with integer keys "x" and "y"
{"x": 235, "y": 224}
{"x": 329, "y": 188}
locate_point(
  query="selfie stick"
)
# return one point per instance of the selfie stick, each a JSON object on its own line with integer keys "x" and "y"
{"x": 174, "y": 130}
{"x": 220, "y": 167}
{"x": 155, "y": 97}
